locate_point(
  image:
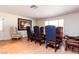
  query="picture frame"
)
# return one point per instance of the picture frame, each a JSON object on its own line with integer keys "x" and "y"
{"x": 23, "y": 23}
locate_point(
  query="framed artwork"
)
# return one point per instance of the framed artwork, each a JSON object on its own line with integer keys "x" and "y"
{"x": 23, "y": 23}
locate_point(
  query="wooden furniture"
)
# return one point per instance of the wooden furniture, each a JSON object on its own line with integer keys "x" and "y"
{"x": 72, "y": 43}
{"x": 59, "y": 33}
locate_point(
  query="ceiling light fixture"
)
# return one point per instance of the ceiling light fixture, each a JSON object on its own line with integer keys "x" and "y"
{"x": 33, "y": 6}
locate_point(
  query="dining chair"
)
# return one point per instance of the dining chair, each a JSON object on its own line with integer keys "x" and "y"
{"x": 42, "y": 34}
{"x": 30, "y": 33}
{"x": 59, "y": 34}
{"x": 51, "y": 40}
{"x": 37, "y": 35}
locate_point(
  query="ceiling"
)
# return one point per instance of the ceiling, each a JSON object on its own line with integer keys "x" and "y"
{"x": 42, "y": 11}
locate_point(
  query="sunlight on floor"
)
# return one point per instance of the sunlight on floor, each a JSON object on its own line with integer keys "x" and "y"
{"x": 26, "y": 47}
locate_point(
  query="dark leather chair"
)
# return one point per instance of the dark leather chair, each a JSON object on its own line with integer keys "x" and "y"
{"x": 30, "y": 34}
{"x": 51, "y": 37}
{"x": 38, "y": 38}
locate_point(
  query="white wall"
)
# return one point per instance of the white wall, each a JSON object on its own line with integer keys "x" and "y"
{"x": 71, "y": 23}
{"x": 10, "y": 20}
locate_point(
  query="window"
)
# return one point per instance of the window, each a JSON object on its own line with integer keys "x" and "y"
{"x": 1, "y": 24}
{"x": 55, "y": 22}
{"x": 61, "y": 23}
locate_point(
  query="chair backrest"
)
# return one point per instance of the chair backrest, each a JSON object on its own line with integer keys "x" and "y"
{"x": 29, "y": 31}
{"x": 13, "y": 30}
{"x": 41, "y": 30}
{"x": 36, "y": 31}
{"x": 50, "y": 32}
{"x": 59, "y": 32}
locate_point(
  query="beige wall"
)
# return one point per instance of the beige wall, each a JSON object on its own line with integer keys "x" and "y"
{"x": 71, "y": 23}
{"x": 11, "y": 20}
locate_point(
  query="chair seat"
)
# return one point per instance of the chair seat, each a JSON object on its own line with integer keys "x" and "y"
{"x": 16, "y": 36}
{"x": 51, "y": 41}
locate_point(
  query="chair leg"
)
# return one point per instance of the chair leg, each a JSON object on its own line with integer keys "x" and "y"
{"x": 35, "y": 41}
{"x": 78, "y": 50}
{"x": 56, "y": 49}
{"x": 46, "y": 46}
{"x": 31, "y": 40}
{"x": 66, "y": 47}
{"x": 40, "y": 44}
{"x": 28, "y": 39}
